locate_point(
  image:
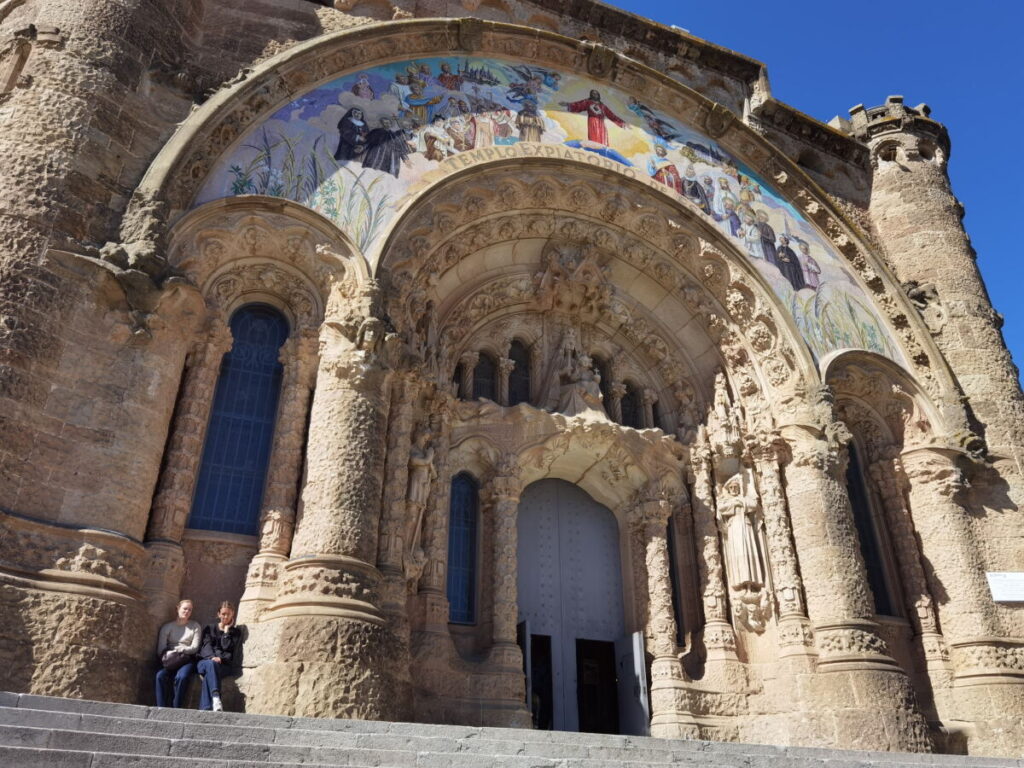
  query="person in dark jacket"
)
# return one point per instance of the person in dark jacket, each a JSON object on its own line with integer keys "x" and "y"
{"x": 217, "y": 652}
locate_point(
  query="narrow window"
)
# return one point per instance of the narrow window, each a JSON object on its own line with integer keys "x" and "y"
{"x": 462, "y": 532}
{"x": 871, "y": 547}
{"x": 631, "y": 407}
{"x": 485, "y": 379}
{"x": 519, "y": 378}
{"x": 233, "y": 472}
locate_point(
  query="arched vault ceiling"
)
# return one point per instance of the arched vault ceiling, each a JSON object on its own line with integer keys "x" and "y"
{"x": 281, "y": 134}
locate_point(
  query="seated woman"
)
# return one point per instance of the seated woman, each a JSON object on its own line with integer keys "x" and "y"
{"x": 218, "y": 651}
{"x": 176, "y": 648}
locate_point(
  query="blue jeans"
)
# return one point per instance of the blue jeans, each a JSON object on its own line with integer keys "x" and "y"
{"x": 209, "y": 671}
{"x": 181, "y": 680}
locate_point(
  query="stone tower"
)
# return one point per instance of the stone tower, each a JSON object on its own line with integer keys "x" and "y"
{"x": 919, "y": 222}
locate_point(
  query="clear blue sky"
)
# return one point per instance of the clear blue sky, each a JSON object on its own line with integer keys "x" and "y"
{"x": 966, "y": 60}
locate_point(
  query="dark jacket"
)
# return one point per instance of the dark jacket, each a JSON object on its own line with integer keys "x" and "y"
{"x": 225, "y": 645}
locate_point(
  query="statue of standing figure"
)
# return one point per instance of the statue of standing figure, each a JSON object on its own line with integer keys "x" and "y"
{"x": 737, "y": 517}
{"x": 421, "y": 476}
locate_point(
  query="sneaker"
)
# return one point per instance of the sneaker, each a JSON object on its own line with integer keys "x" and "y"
{"x": 218, "y": 705}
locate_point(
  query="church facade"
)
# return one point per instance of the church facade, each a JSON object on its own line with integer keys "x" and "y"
{"x": 508, "y": 363}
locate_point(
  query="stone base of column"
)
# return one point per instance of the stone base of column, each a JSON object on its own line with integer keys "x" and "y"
{"x": 723, "y": 670}
{"x": 261, "y": 583}
{"x": 869, "y": 709}
{"x": 670, "y": 715}
{"x": 74, "y": 634}
{"x": 324, "y": 649}
{"x": 508, "y": 705}
{"x": 797, "y": 654}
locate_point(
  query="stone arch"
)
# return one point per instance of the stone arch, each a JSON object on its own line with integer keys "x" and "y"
{"x": 882, "y": 400}
{"x": 188, "y": 158}
{"x": 660, "y": 286}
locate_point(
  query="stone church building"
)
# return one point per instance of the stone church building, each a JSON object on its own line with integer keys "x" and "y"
{"x": 509, "y": 362}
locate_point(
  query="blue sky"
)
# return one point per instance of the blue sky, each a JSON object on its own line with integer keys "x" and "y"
{"x": 966, "y": 60}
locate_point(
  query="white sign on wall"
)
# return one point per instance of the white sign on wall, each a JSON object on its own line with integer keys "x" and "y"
{"x": 1006, "y": 586}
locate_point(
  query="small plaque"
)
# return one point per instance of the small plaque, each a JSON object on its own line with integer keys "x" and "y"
{"x": 1006, "y": 586}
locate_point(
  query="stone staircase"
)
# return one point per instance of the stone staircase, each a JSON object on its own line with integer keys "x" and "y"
{"x": 39, "y": 731}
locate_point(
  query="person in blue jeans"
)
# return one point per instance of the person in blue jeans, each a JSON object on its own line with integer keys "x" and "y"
{"x": 176, "y": 648}
{"x": 218, "y": 651}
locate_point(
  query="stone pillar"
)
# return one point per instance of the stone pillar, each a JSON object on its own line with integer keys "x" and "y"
{"x": 324, "y": 647}
{"x": 954, "y": 566}
{"x": 505, "y": 366}
{"x": 536, "y": 369}
{"x": 277, "y": 517}
{"x": 649, "y": 397}
{"x": 795, "y": 638}
{"x": 719, "y": 637}
{"x": 891, "y": 484}
{"x": 670, "y": 717}
{"x": 468, "y": 362}
{"x": 173, "y": 501}
{"x": 506, "y": 656}
{"x": 859, "y": 696}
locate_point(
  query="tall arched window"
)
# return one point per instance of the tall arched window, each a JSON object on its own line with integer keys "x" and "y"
{"x": 460, "y": 391}
{"x": 463, "y": 522}
{"x": 519, "y": 378}
{"x": 632, "y": 409}
{"x": 485, "y": 378}
{"x": 233, "y": 472}
{"x": 871, "y": 542}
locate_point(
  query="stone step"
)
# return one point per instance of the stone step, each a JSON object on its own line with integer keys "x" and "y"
{"x": 41, "y": 728}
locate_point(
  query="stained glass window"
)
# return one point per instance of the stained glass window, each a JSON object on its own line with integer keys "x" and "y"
{"x": 462, "y": 545}
{"x": 233, "y": 472}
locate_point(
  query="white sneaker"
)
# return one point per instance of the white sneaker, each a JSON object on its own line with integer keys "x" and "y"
{"x": 218, "y": 705}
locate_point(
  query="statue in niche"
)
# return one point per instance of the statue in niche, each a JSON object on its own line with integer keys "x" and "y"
{"x": 742, "y": 526}
{"x": 579, "y": 383}
{"x": 421, "y": 476}
{"x": 724, "y": 422}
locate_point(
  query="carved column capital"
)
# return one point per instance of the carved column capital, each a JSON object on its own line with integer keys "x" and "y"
{"x": 936, "y": 469}
{"x": 617, "y": 389}
{"x": 469, "y": 359}
{"x": 505, "y": 365}
{"x": 650, "y": 396}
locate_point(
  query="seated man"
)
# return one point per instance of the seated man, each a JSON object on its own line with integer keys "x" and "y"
{"x": 218, "y": 650}
{"x": 176, "y": 647}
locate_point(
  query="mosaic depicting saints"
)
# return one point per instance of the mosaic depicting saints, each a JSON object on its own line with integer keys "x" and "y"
{"x": 351, "y": 150}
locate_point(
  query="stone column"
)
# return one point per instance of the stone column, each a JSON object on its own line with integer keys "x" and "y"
{"x": 173, "y": 500}
{"x": 506, "y": 656}
{"x": 536, "y": 368}
{"x": 719, "y": 637}
{"x": 468, "y": 362}
{"x": 326, "y": 646}
{"x": 891, "y": 484}
{"x": 649, "y": 397}
{"x": 669, "y": 715}
{"x": 277, "y": 518}
{"x": 954, "y": 567}
{"x": 505, "y": 366}
{"x": 859, "y": 694}
{"x": 795, "y": 637}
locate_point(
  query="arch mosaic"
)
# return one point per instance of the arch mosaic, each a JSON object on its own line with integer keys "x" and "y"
{"x": 356, "y": 148}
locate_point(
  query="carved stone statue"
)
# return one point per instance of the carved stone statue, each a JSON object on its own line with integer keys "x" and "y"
{"x": 580, "y": 386}
{"x": 744, "y": 547}
{"x": 737, "y": 517}
{"x": 421, "y": 467}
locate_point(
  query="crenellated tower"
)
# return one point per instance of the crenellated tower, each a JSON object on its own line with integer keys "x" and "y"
{"x": 920, "y": 224}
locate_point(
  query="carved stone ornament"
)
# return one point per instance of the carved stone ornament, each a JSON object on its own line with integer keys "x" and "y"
{"x": 471, "y": 30}
{"x": 600, "y": 59}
